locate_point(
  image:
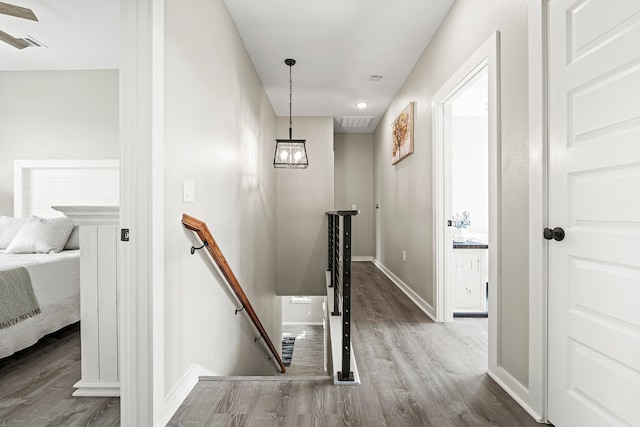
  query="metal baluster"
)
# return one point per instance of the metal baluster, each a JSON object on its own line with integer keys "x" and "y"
{"x": 330, "y": 247}
{"x": 336, "y": 265}
{"x": 346, "y": 374}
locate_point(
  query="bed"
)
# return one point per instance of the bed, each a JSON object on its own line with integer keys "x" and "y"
{"x": 56, "y": 283}
{"x": 55, "y": 277}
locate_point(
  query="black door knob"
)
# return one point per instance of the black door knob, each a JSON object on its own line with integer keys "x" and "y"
{"x": 555, "y": 234}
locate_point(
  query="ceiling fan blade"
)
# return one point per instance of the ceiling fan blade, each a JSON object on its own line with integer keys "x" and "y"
{"x": 19, "y": 44}
{"x": 20, "y": 12}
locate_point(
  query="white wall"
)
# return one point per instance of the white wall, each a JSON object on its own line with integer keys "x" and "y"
{"x": 304, "y": 195}
{"x": 354, "y": 185}
{"x": 219, "y": 133}
{"x": 55, "y": 115}
{"x": 404, "y": 191}
{"x": 470, "y": 186}
{"x": 302, "y": 313}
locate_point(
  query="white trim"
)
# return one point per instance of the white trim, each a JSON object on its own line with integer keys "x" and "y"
{"x": 514, "y": 388}
{"x": 91, "y": 215}
{"x": 538, "y": 162}
{"x": 96, "y": 389}
{"x": 362, "y": 259}
{"x": 179, "y": 393}
{"x": 413, "y": 296}
{"x": 302, "y": 323}
{"x": 142, "y": 211}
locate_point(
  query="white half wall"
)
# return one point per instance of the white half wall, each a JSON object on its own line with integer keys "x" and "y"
{"x": 56, "y": 115}
{"x": 304, "y": 195}
{"x": 404, "y": 191}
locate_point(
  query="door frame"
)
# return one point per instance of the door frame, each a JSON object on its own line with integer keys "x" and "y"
{"x": 141, "y": 259}
{"x": 444, "y": 158}
{"x": 538, "y": 210}
{"x": 487, "y": 55}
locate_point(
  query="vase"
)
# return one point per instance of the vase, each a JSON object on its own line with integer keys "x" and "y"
{"x": 460, "y": 236}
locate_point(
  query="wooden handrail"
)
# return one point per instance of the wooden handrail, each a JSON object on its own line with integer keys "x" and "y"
{"x": 204, "y": 234}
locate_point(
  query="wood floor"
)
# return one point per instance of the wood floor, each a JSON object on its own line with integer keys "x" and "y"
{"x": 308, "y": 351}
{"x": 36, "y": 386}
{"x": 414, "y": 372}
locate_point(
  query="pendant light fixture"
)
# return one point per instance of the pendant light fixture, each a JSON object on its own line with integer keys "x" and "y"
{"x": 290, "y": 153}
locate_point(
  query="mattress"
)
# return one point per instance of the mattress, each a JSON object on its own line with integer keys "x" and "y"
{"x": 56, "y": 283}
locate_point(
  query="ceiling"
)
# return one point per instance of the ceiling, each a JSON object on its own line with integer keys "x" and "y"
{"x": 338, "y": 46}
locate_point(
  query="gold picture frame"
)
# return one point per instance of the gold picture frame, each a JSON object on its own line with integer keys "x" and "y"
{"x": 402, "y": 134}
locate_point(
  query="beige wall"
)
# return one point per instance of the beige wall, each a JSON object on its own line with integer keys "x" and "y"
{"x": 302, "y": 313}
{"x": 404, "y": 191}
{"x": 354, "y": 185}
{"x": 304, "y": 195}
{"x": 219, "y": 133}
{"x": 55, "y": 115}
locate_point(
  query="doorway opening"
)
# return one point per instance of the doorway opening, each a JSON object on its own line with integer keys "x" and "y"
{"x": 466, "y": 131}
{"x": 304, "y": 335}
{"x": 466, "y": 171}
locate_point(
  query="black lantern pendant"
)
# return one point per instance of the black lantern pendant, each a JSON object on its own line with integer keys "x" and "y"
{"x": 290, "y": 153}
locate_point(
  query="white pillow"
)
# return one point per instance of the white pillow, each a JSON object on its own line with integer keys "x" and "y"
{"x": 74, "y": 239}
{"x": 9, "y": 227}
{"x": 39, "y": 235}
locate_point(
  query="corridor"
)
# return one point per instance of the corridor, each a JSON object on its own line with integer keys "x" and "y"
{"x": 414, "y": 372}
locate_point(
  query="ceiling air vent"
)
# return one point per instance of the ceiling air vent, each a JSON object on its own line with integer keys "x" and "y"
{"x": 30, "y": 41}
{"x": 356, "y": 121}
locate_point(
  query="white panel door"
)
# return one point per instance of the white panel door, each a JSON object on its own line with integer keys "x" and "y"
{"x": 594, "y": 194}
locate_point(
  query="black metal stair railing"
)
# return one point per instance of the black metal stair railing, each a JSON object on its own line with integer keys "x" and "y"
{"x": 339, "y": 260}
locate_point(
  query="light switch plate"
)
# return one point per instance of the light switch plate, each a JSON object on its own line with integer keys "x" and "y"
{"x": 353, "y": 207}
{"x": 188, "y": 191}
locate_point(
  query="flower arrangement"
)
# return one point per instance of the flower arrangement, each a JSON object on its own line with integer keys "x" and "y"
{"x": 461, "y": 220}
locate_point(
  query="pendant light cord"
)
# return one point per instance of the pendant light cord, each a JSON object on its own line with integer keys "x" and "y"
{"x": 290, "y": 101}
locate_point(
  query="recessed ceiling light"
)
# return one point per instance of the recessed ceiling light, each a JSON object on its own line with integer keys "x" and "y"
{"x": 375, "y": 77}
{"x": 361, "y": 105}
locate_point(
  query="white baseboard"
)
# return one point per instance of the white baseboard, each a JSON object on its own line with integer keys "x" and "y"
{"x": 96, "y": 389}
{"x": 302, "y": 323}
{"x": 362, "y": 258}
{"x": 515, "y": 389}
{"x": 180, "y": 392}
{"x": 413, "y": 296}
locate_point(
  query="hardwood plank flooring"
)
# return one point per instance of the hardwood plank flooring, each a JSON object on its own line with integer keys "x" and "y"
{"x": 36, "y": 386}
{"x": 308, "y": 351}
{"x": 414, "y": 372}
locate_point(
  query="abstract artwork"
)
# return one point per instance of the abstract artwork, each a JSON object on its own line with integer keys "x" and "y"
{"x": 402, "y": 135}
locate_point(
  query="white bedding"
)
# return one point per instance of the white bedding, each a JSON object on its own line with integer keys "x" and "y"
{"x": 56, "y": 283}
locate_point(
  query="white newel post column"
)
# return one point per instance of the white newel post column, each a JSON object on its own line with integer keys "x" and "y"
{"x": 99, "y": 326}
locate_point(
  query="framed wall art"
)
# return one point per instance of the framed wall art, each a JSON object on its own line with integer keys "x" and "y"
{"x": 402, "y": 134}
